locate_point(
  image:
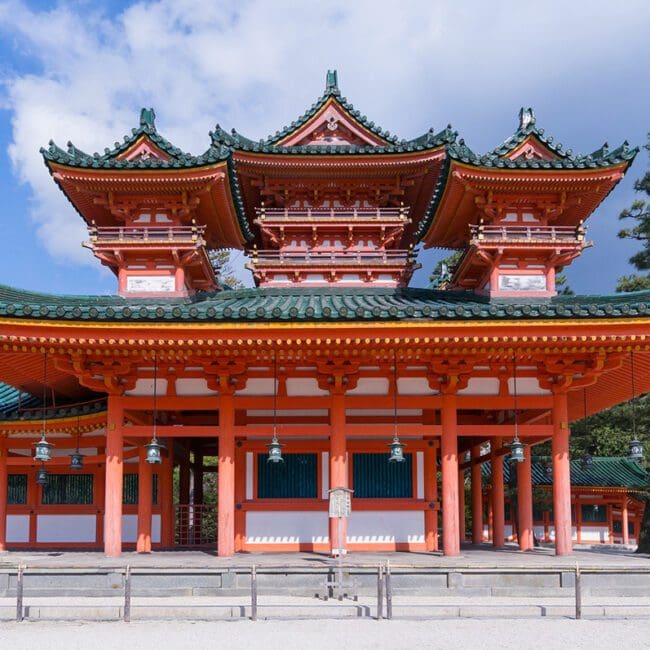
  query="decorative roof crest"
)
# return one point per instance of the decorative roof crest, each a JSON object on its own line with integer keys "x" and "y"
{"x": 526, "y": 117}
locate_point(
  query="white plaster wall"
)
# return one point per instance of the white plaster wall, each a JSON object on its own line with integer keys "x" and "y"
{"x": 419, "y": 473}
{"x": 481, "y": 386}
{"x": 258, "y": 386}
{"x": 377, "y": 526}
{"x": 304, "y": 387}
{"x": 370, "y": 386}
{"x": 65, "y": 528}
{"x": 17, "y": 528}
{"x": 594, "y": 534}
{"x": 130, "y": 529}
{"x": 526, "y": 386}
{"x": 197, "y": 386}
{"x": 325, "y": 475}
{"x": 414, "y": 386}
{"x": 278, "y": 527}
{"x": 145, "y": 387}
{"x": 250, "y": 457}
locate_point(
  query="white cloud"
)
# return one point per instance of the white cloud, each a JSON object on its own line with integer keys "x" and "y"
{"x": 256, "y": 65}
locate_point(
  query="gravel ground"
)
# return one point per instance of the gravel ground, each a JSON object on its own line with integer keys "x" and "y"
{"x": 356, "y": 635}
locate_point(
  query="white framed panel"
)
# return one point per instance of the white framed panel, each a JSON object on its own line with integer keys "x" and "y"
{"x": 66, "y": 528}
{"x": 17, "y": 528}
{"x": 381, "y": 526}
{"x": 280, "y": 527}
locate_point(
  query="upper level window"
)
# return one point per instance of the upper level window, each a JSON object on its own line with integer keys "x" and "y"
{"x": 375, "y": 478}
{"x": 68, "y": 489}
{"x": 295, "y": 478}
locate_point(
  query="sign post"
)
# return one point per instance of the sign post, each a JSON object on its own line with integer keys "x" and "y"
{"x": 340, "y": 506}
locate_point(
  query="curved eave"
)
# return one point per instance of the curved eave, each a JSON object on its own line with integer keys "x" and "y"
{"x": 456, "y": 175}
{"x": 227, "y": 227}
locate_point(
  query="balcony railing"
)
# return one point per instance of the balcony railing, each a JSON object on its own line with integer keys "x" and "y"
{"x": 532, "y": 233}
{"x": 141, "y": 234}
{"x": 333, "y": 258}
{"x": 333, "y": 214}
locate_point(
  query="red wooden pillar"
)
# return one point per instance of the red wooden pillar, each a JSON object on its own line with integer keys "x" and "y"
{"x": 462, "y": 533}
{"x": 145, "y": 503}
{"x": 114, "y": 474}
{"x": 100, "y": 499}
{"x": 498, "y": 504}
{"x": 525, "y": 504}
{"x": 561, "y": 476}
{"x": 184, "y": 475}
{"x": 449, "y": 458}
{"x": 166, "y": 496}
{"x": 338, "y": 467}
{"x": 625, "y": 522}
{"x": 430, "y": 497}
{"x": 477, "y": 497}
{"x": 226, "y": 476}
{"x": 4, "y": 478}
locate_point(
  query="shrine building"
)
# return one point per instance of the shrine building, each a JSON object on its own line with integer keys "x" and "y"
{"x": 331, "y": 372}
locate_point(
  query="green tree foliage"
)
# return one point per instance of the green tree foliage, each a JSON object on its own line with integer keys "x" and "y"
{"x": 220, "y": 260}
{"x": 444, "y": 269}
{"x": 638, "y": 215}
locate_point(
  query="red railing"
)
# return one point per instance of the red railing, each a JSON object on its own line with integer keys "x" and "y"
{"x": 531, "y": 233}
{"x": 332, "y": 214}
{"x": 332, "y": 257}
{"x": 195, "y": 525}
{"x": 100, "y": 234}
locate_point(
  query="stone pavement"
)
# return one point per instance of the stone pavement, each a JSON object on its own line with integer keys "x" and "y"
{"x": 472, "y": 556}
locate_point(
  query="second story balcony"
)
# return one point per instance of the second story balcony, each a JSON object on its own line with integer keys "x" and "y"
{"x": 530, "y": 233}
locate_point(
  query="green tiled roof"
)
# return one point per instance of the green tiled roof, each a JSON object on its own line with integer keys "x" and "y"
{"x": 393, "y": 144}
{"x": 75, "y": 157}
{"x": 33, "y": 411}
{"x": 318, "y": 304}
{"x": 603, "y": 472}
{"x": 460, "y": 152}
{"x": 602, "y": 157}
{"x": 11, "y": 398}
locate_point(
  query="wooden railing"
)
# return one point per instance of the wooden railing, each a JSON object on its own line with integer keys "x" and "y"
{"x": 332, "y": 257}
{"x": 105, "y": 234}
{"x": 532, "y": 233}
{"x": 332, "y": 214}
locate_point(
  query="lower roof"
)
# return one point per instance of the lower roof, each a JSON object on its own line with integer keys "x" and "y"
{"x": 318, "y": 304}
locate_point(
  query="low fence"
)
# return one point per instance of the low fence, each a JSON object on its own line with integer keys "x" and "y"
{"x": 373, "y": 591}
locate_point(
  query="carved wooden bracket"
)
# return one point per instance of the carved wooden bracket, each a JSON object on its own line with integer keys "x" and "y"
{"x": 226, "y": 377}
{"x": 112, "y": 376}
{"x": 449, "y": 375}
{"x": 338, "y": 376}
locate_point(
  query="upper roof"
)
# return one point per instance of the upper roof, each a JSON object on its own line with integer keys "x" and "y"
{"x": 376, "y": 140}
{"x": 543, "y": 152}
{"x": 318, "y": 304}
{"x": 159, "y": 154}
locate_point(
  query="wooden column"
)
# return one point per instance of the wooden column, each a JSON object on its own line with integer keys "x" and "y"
{"x": 184, "y": 475}
{"x": 462, "y": 533}
{"x": 114, "y": 474}
{"x": 561, "y": 475}
{"x": 99, "y": 499}
{"x": 4, "y": 478}
{"x": 431, "y": 497}
{"x": 477, "y": 497}
{"x": 525, "y": 503}
{"x": 226, "y": 477}
{"x": 166, "y": 496}
{"x": 625, "y": 517}
{"x": 145, "y": 503}
{"x": 449, "y": 459}
{"x": 498, "y": 504}
{"x": 338, "y": 466}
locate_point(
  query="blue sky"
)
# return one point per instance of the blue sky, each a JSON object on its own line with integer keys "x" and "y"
{"x": 81, "y": 70}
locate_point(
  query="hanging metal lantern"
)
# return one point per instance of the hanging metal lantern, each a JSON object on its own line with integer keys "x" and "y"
{"x": 154, "y": 452}
{"x": 275, "y": 451}
{"x": 517, "y": 454}
{"x": 76, "y": 461}
{"x": 42, "y": 450}
{"x": 41, "y": 476}
{"x": 587, "y": 460}
{"x": 548, "y": 470}
{"x": 636, "y": 449}
{"x": 396, "y": 451}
